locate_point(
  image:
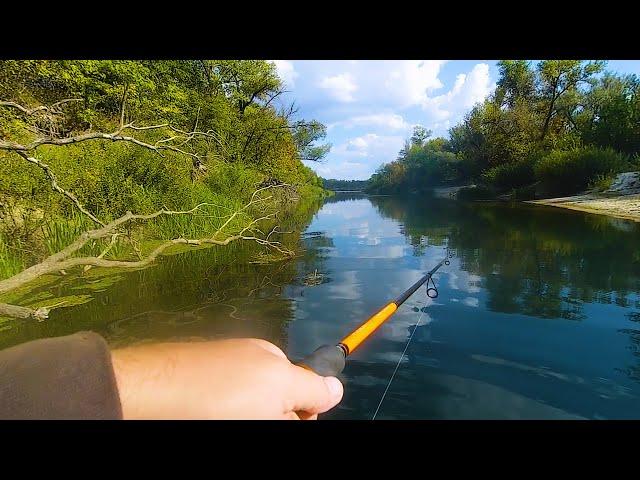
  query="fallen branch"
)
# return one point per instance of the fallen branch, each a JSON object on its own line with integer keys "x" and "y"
{"x": 16, "y": 311}
{"x": 63, "y": 259}
{"x": 42, "y": 108}
{"x": 54, "y": 184}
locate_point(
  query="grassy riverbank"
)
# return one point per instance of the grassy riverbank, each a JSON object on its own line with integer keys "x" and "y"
{"x": 84, "y": 142}
{"x": 111, "y": 164}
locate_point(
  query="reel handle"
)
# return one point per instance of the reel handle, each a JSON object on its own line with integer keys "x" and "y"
{"x": 327, "y": 361}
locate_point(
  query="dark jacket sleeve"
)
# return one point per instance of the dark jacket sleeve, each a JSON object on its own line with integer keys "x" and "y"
{"x": 59, "y": 378}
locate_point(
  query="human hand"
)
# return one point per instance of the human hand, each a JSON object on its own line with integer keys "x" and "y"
{"x": 225, "y": 379}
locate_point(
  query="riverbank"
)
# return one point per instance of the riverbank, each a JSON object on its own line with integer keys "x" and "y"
{"x": 621, "y": 206}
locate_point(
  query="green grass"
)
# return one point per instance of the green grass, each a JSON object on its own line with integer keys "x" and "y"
{"x": 58, "y": 232}
{"x": 10, "y": 261}
{"x": 569, "y": 172}
{"x": 602, "y": 182}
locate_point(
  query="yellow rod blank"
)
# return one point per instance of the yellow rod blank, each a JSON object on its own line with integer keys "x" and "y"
{"x": 361, "y": 333}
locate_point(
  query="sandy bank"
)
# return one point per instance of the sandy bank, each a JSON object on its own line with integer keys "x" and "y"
{"x": 621, "y": 206}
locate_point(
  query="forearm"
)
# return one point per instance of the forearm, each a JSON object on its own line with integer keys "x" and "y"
{"x": 67, "y": 377}
{"x": 78, "y": 377}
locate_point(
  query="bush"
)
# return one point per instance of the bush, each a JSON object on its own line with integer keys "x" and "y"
{"x": 528, "y": 192}
{"x": 569, "y": 172}
{"x": 509, "y": 176}
{"x": 476, "y": 193}
{"x": 602, "y": 182}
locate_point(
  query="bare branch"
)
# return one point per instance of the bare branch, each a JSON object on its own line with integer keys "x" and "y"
{"x": 16, "y": 311}
{"x": 124, "y": 102}
{"x": 31, "y": 111}
{"x": 54, "y": 184}
{"x": 114, "y": 238}
{"x": 62, "y": 261}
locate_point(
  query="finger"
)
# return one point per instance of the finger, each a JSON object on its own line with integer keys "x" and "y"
{"x": 307, "y": 416}
{"x": 268, "y": 346}
{"x": 311, "y": 393}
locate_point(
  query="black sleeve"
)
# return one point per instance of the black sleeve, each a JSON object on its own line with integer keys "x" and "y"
{"x": 59, "y": 378}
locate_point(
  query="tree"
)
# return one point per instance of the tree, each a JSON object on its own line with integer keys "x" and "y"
{"x": 557, "y": 78}
{"x": 85, "y": 143}
{"x": 516, "y": 82}
{"x": 305, "y": 134}
{"x": 610, "y": 114}
{"x": 420, "y": 136}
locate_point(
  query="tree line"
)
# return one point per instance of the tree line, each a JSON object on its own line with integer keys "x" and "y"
{"x": 344, "y": 185}
{"x": 553, "y": 127}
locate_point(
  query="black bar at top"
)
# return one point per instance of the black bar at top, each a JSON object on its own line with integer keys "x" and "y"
{"x": 403, "y": 298}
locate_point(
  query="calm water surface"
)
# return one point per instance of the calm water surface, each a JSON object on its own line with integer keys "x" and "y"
{"x": 538, "y": 314}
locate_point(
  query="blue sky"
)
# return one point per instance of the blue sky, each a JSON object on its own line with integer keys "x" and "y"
{"x": 371, "y": 106}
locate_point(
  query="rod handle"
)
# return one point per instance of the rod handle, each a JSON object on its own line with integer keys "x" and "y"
{"x": 327, "y": 361}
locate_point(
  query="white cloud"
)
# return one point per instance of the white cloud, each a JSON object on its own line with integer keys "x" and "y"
{"x": 358, "y": 157}
{"x": 391, "y": 121}
{"x": 410, "y": 81}
{"x": 467, "y": 90}
{"x": 286, "y": 72}
{"x": 370, "y": 107}
{"x": 370, "y": 144}
{"x": 360, "y": 144}
{"x": 341, "y": 87}
{"x": 344, "y": 170}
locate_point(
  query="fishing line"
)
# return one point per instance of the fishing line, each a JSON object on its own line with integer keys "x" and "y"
{"x": 398, "y": 364}
{"x": 432, "y": 292}
{"x": 329, "y": 360}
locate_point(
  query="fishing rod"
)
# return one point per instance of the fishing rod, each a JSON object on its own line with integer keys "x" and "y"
{"x": 329, "y": 360}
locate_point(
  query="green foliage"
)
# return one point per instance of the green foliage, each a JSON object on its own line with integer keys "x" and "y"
{"x": 612, "y": 116}
{"x": 60, "y": 232}
{"x": 537, "y": 110}
{"x": 571, "y": 171}
{"x": 342, "y": 185}
{"x": 305, "y": 135}
{"x": 249, "y": 142}
{"x": 510, "y": 175}
{"x": 10, "y": 262}
{"x": 478, "y": 192}
{"x": 602, "y": 182}
{"x": 421, "y": 165}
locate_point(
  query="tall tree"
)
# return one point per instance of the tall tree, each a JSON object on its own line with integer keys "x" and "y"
{"x": 516, "y": 82}
{"x": 558, "y": 78}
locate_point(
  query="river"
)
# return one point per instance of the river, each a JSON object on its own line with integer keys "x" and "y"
{"x": 538, "y": 313}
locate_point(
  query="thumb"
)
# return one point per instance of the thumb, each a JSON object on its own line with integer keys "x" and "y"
{"x": 311, "y": 393}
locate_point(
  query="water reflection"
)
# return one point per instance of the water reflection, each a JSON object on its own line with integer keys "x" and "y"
{"x": 538, "y": 313}
{"x": 532, "y": 319}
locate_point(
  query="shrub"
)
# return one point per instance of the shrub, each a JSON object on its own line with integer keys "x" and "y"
{"x": 571, "y": 171}
{"x": 476, "y": 193}
{"x": 602, "y": 182}
{"x": 510, "y": 175}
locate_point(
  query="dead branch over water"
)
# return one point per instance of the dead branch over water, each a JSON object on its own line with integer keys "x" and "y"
{"x": 65, "y": 259}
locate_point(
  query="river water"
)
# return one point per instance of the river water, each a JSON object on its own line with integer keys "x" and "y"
{"x": 538, "y": 313}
